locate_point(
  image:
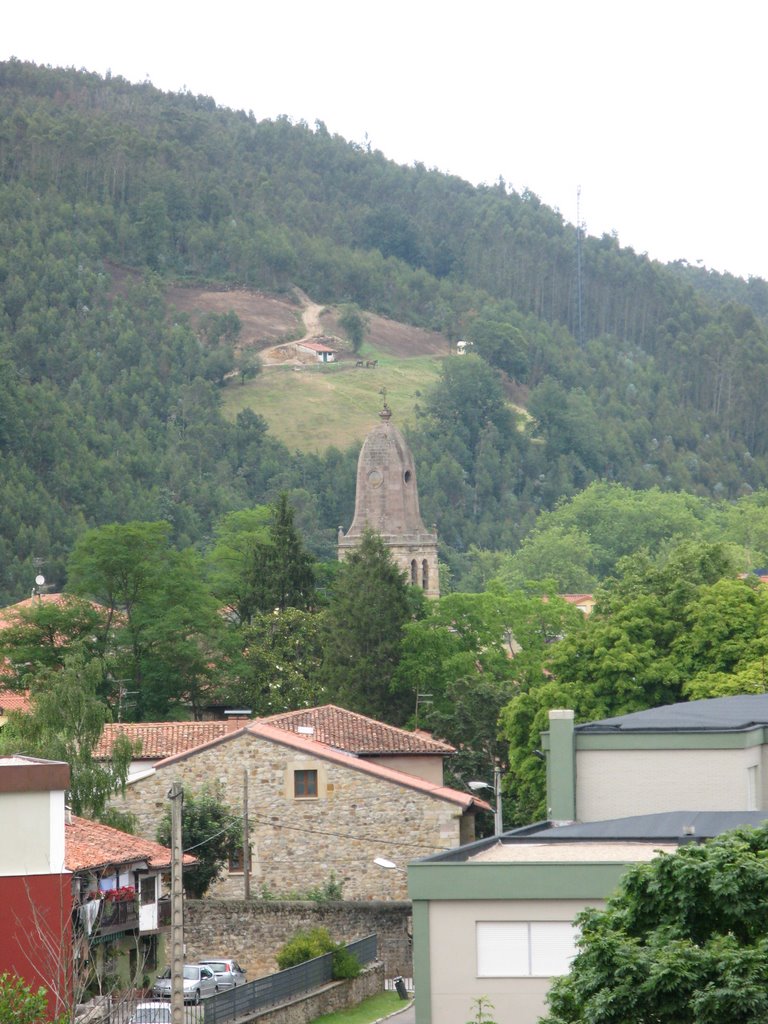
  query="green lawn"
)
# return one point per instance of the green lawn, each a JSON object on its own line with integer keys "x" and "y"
{"x": 337, "y": 404}
{"x": 366, "y": 1012}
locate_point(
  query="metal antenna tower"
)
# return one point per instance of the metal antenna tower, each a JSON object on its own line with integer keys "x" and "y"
{"x": 579, "y": 276}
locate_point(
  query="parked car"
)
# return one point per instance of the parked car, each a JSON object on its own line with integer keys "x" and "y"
{"x": 151, "y": 1013}
{"x": 228, "y": 972}
{"x": 199, "y": 983}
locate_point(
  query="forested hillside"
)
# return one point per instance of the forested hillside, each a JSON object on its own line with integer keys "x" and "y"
{"x": 110, "y": 401}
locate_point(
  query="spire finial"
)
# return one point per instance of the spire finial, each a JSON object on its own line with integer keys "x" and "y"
{"x": 386, "y": 412}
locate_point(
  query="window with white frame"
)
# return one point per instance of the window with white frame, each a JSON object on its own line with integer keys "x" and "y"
{"x": 517, "y": 949}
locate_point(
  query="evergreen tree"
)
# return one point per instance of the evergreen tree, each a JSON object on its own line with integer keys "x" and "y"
{"x": 289, "y": 580}
{"x": 369, "y": 605}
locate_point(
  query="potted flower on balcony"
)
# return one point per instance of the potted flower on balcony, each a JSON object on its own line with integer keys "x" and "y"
{"x": 125, "y": 894}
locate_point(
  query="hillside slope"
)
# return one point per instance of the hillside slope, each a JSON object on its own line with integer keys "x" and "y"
{"x": 119, "y": 394}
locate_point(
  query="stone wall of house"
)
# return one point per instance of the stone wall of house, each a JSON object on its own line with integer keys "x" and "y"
{"x": 255, "y": 930}
{"x": 299, "y": 843}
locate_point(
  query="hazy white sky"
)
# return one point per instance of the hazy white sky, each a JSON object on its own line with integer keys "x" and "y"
{"x": 655, "y": 109}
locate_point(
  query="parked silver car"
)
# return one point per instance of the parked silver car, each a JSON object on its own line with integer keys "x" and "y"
{"x": 228, "y": 972}
{"x": 199, "y": 983}
{"x": 151, "y": 1013}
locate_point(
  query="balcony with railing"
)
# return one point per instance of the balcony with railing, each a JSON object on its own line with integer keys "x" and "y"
{"x": 118, "y": 915}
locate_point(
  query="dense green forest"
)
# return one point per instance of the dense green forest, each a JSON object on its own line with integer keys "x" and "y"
{"x": 638, "y": 374}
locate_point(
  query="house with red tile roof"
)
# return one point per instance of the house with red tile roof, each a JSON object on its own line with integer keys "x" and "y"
{"x": 584, "y": 602}
{"x": 13, "y": 700}
{"x": 322, "y": 353}
{"x": 414, "y": 752}
{"x": 160, "y": 740}
{"x": 325, "y": 799}
{"x": 120, "y": 900}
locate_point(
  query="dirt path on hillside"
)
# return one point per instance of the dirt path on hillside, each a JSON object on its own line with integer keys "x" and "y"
{"x": 285, "y": 353}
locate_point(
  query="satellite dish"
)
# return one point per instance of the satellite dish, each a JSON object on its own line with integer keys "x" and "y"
{"x": 39, "y": 580}
{"x": 383, "y": 862}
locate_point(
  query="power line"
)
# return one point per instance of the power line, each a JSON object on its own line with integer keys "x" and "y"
{"x": 377, "y": 840}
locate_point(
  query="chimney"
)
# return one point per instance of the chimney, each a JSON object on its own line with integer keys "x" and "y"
{"x": 561, "y": 768}
{"x": 237, "y": 719}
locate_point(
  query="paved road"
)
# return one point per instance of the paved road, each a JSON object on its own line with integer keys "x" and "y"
{"x": 405, "y": 1016}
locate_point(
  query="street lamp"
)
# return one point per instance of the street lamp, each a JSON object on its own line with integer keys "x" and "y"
{"x": 498, "y": 825}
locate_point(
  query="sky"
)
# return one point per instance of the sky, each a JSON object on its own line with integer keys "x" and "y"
{"x": 653, "y": 114}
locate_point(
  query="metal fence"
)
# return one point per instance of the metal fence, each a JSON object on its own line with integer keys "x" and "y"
{"x": 283, "y": 986}
{"x": 249, "y": 998}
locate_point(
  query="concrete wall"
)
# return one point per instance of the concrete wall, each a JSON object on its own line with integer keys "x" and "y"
{"x": 298, "y": 843}
{"x": 254, "y": 931}
{"x": 619, "y": 783}
{"x": 453, "y": 959}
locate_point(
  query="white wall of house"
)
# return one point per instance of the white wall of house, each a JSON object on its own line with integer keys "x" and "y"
{"x": 32, "y": 836}
{"x": 620, "y": 783}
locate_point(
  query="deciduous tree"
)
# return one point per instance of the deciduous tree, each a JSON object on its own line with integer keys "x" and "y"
{"x": 682, "y": 942}
{"x": 65, "y": 724}
{"x": 210, "y": 832}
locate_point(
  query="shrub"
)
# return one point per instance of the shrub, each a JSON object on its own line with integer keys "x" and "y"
{"x": 306, "y": 945}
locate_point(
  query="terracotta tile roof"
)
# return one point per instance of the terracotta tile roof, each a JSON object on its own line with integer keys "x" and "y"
{"x": 89, "y": 845}
{"x": 315, "y": 346}
{"x": 13, "y": 700}
{"x": 9, "y": 616}
{"x": 357, "y": 734}
{"x": 163, "y": 739}
{"x": 285, "y": 737}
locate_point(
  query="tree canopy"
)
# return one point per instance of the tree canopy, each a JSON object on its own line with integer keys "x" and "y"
{"x": 210, "y": 832}
{"x": 65, "y": 724}
{"x": 683, "y": 941}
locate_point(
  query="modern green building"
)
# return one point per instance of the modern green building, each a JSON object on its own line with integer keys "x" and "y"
{"x": 494, "y": 918}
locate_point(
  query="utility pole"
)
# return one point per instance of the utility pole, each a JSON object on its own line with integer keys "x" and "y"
{"x": 176, "y": 796}
{"x": 246, "y": 841}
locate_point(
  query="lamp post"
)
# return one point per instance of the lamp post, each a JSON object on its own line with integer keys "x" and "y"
{"x": 498, "y": 824}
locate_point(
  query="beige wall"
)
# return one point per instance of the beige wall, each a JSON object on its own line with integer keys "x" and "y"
{"x": 297, "y": 843}
{"x": 423, "y": 767}
{"x": 32, "y": 833}
{"x": 620, "y": 783}
{"x": 453, "y": 958}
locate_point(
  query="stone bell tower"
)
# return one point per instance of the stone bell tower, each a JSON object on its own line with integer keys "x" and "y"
{"x": 387, "y": 501}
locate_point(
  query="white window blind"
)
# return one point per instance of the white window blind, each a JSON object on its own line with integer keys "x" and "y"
{"x": 513, "y": 949}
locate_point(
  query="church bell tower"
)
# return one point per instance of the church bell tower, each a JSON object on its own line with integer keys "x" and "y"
{"x": 387, "y": 501}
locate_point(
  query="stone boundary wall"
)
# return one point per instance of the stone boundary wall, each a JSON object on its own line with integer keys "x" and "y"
{"x": 253, "y": 931}
{"x": 337, "y": 996}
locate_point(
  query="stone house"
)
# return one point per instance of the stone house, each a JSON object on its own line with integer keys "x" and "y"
{"x": 329, "y": 791}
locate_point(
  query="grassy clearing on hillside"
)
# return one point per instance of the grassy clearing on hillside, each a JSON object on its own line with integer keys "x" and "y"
{"x": 337, "y": 404}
